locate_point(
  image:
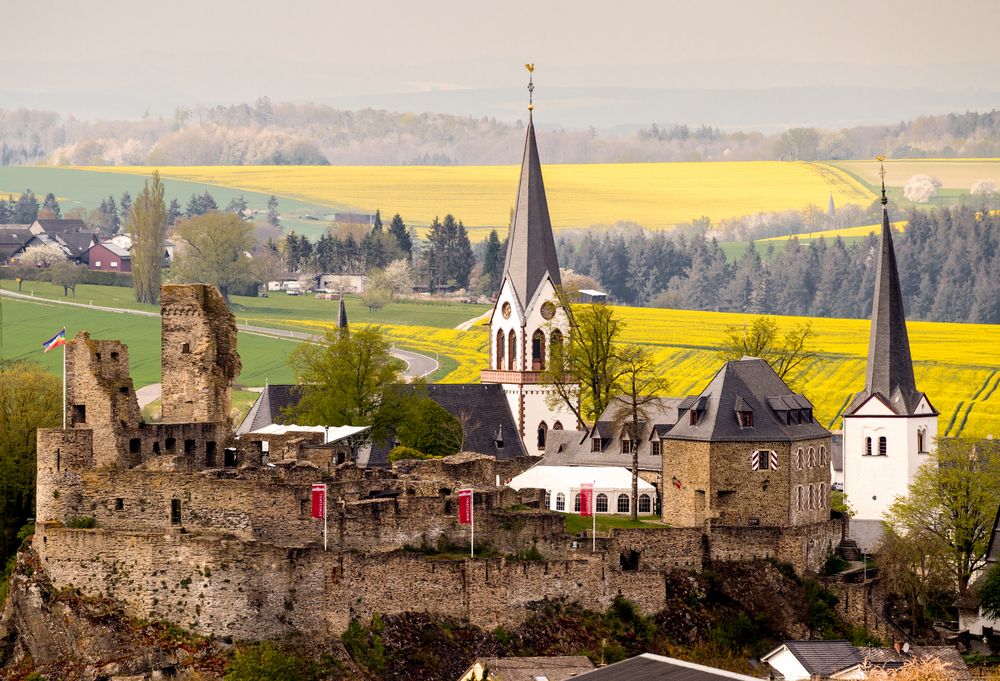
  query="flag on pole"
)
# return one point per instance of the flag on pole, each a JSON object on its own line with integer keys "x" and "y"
{"x": 318, "y": 500}
{"x": 465, "y": 506}
{"x": 55, "y": 341}
{"x": 587, "y": 499}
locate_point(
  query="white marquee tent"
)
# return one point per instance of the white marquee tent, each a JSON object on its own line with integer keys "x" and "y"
{"x": 612, "y": 488}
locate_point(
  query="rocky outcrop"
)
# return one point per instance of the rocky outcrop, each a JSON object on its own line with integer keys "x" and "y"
{"x": 62, "y": 635}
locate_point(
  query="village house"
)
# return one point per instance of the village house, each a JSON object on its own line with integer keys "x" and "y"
{"x": 817, "y": 660}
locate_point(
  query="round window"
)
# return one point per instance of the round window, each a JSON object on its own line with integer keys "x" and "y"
{"x": 505, "y": 310}
{"x": 548, "y": 309}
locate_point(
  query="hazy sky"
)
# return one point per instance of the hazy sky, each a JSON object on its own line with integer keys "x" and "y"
{"x": 133, "y": 55}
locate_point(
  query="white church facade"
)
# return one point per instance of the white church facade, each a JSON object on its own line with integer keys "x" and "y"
{"x": 890, "y": 427}
{"x": 527, "y": 320}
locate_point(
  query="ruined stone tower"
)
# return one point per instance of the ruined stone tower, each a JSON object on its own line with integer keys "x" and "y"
{"x": 199, "y": 354}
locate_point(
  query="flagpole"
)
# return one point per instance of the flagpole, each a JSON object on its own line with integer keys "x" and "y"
{"x": 472, "y": 525}
{"x": 64, "y": 386}
{"x": 325, "y": 504}
{"x": 593, "y": 517}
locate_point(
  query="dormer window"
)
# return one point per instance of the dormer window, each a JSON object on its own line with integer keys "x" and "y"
{"x": 629, "y": 446}
{"x": 693, "y": 416}
{"x": 746, "y": 419}
{"x": 595, "y": 444}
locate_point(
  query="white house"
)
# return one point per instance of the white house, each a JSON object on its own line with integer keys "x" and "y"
{"x": 890, "y": 427}
{"x": 612, "y": 488}
{"x": 527, "y": 321}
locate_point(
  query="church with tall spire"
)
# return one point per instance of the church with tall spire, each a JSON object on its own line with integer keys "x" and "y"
{"x": 889, "y": 427}
{"x": 527, "y": 320}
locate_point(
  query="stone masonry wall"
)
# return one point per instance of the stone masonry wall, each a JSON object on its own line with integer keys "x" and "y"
{"x": 198, "y": 353}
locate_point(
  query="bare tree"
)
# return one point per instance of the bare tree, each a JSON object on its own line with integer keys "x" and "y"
{"x": 790, "y": 356}
{"x": 638, "y": 386}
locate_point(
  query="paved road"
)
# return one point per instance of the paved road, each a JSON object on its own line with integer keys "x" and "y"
{"x": 417, "y": 365}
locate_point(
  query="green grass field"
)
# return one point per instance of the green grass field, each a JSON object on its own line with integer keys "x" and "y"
{"x": 575, "y": 523}
{"x": 86, "y": 189}
{"x": 26, "y": 324}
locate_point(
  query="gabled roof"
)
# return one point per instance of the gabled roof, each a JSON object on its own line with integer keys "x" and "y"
{"x": 61, "y": 226}
{"x": 530, "y": 668}
{"x": 77, "y": 243}
{"x": 268, "y": 408}
{"x": 822, "y": 658}
{"x": 752, "y": 383}
{"x": 649, "y": 667}
{"x": 889, "y": 371}
{"x": 115, "y": 249}
{"x": 531, "y": 250}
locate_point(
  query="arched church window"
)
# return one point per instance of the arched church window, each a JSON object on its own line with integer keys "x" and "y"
{"x": 883, "y": 446}
{"x": 921, "y": 443}
{"x": 538, "y": 350}
{"x": 543, "y": 429}
{"x": 557, "y": 425}
{"x": 501, "y": 350}
{"x": 555, "y": 342}
{"x": 511, "y": 351}
{"x": 602, "y": 503}
{"x": 623, "y": 503}
{"x": 560, "y": 502}
{"x": 868, "y": 446}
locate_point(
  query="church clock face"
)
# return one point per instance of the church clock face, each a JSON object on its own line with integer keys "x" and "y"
{"x": 505, "y": 310}
{"x": 548, "y": 309}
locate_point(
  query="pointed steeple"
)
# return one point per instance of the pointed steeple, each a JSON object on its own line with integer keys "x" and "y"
{"x": 531, "y": 249}
{"x": 342, "y": 315}
{"x": 890, "y": 368}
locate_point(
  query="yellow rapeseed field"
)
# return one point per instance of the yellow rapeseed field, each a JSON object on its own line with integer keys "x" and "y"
{"x": 656, "y": 195}
{"x": 843, "y": 232}
{"x": 956, "y": 364}
{"x": 954, "y": 173}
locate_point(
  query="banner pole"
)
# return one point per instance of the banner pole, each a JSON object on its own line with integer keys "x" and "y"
{"x": 472, "y": 524}
{"x": 324, "y": 517}
{"x": 64, "y": 387}
{"x": 593, "y": 515}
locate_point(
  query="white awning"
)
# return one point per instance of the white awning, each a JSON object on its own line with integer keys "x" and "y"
{"x": 330, "y": 433}
{"x": 571, "y": 477}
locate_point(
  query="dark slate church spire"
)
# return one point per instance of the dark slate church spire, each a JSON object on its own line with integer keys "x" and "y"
{"x": 342, "y": 315}
{"x": 531, "y": 250}
{"x": 890, "y": 369}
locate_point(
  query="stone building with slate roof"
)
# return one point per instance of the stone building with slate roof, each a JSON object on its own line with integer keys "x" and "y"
{"x": 889, "y": 427}
{"x": 527, "y": 320}
{"x": 746, "y": 451}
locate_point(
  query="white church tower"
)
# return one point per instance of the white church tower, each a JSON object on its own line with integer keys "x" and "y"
{"x": 889, "y": 427}
{"x": 527, "y": 320}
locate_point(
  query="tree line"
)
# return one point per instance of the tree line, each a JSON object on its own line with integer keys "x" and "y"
{"x": 948, "y": 260}
{"x": 270, "y": 133}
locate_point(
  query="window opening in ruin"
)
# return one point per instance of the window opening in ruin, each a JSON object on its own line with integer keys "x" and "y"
{"x": 656, "y": 448}
{"x": 868, "y": 446}
{"x": 798, "y": 498}
{"x": 189, "y": 446}
{"x": 97, "y": 356}
{"x": 602, "y": 503}
{"x": 156, "y": 448}
{"x": 623, "y": 503}
{"x": 560, "y": 502}
{"x": 185, "y": 348}
{"x": 175, "y": 511}
{"x": 119, "y": 504}
{"x": 883, "y": 446}
{"x": 629, "y": 560}
{"x": 114, "y": 355}
{"x": 811, "y": 458}
{"x": 548, "y": 499}
{"x": 576, "y": 503}
{"x": 229, "y": 458}
{"x": 79, "y": 413}
{"x": 822, "y": 455}
{"x": 645, "y": 503}
{"x": 123, "y": 390}
{"x": 58, "y": 460}
{"x": 798, "y": 459}
{"x": 812, "y": 497}
{"x": 210, "y": 454}
{"x": 171, "y": 443}
{"x": 134, "y": 445}
{"x": 543, "y": 429}
{"x": 538, "y": 351}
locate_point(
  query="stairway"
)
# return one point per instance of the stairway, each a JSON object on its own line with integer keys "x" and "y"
{"x": 848, "y": 550}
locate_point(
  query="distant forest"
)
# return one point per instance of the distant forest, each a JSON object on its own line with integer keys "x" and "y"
{"x": 948, "y": 259}
{"x": 309, "y": 134}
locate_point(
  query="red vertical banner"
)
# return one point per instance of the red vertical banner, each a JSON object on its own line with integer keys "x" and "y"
{"x": 465, "y": 506}
{"x": 587, "y": 499}
{"x": 318, "y": 500}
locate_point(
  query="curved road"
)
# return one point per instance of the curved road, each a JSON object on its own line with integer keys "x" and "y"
{"x": 417, "y": 365}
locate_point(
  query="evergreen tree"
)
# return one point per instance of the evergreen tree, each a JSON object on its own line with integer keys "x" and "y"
{"x": 398, "y": 229}
{"x": 124, "y": 207}
{"x": 5, "y": 212}
{"x": 493, "y": 259}
{"x": 173, "y": 211}
{"x": 238, "y": 206}
{"x": 272, "y": 211}
{"x": 51, "y": 204}
{"x": 377, "y": 224}
{"x": 109, "y": 214}
{"x": 26, "y": 208}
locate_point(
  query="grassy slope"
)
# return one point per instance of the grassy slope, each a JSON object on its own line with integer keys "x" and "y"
{"x": 85, "y": 189}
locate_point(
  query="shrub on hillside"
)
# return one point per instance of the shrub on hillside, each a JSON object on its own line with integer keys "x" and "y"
{"x": 400, "y": 452}
{"x": 985, "y": 187}
{"x": 921, "y": 188}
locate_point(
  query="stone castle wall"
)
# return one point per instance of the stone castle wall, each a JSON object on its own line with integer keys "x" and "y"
{"x": 199, "y": 354}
